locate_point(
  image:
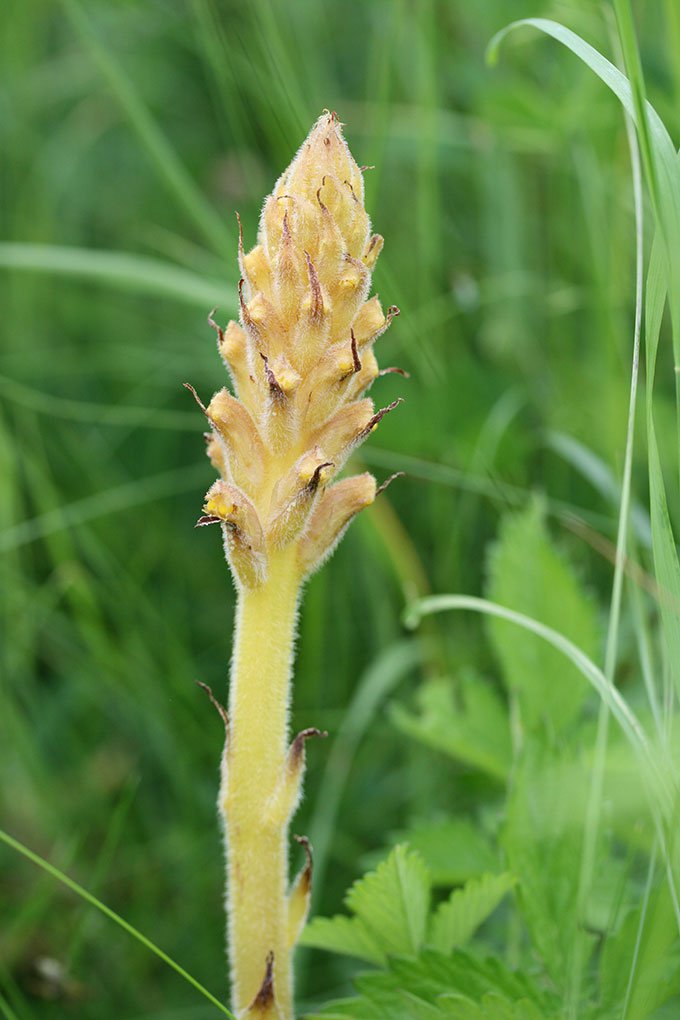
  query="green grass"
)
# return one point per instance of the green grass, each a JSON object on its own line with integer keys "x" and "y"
{"x": 130, "y": 134}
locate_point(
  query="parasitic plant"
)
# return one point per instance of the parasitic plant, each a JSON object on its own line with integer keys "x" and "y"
{"x": 301, "y": 361}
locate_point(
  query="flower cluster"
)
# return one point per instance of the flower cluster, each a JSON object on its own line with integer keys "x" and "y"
{"x": 301, "y": 361}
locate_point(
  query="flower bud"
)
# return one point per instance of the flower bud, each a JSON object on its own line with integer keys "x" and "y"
{"x": 334, "y": 511}
{"x": 244, "y": 544}
{"x": 295, "y": 495}
{"x": 244, "y": 450}
{"x": 233, "y": 346}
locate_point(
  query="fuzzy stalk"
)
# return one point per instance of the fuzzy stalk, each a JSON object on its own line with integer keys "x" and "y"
{"x": 301, "y": 362}
{"x": 256, "y": 834}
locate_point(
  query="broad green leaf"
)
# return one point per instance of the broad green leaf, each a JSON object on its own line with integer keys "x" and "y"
{"x": 468, "y": 721}
{"x": 418, "y": 1009}
{"x": 543, "y": 845}
{"x": 655, "y": 761}
{"x": 410, "y": 985}
{"x": 393, "y": 901}
{"x": 491, "y": 1007}
{"x": 454, "y": 850}
{"x": 527, "y": 574}
{"x": 341, "y": 1009}
{"x": 455, "y": 921}
{"x": 344, "y": 935}
{"x": 433, "y": 974}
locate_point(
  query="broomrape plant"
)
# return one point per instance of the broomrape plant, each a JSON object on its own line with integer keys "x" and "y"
{"x": 300, "y": 361}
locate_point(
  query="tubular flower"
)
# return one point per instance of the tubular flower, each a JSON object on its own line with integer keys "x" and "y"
{"x": 301, "y": 362}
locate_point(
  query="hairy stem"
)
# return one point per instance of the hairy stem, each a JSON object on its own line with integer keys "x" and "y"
{"x": 253, "y": 800}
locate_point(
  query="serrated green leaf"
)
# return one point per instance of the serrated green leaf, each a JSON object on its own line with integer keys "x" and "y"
{"x": 455, "y": 921}
{"x": 543, "y": 845}
{"x": 527, "y": 574}
{"x": 491, "y": 1007}
{"x": 354, "y": 1009}
{"x": 468, "y": 721}
{"x": 383, "y": 991}
{"x": 410, "y": 985}
{"x": 433, "y": 974}
{"x": 344, "y": 935}
{"x": 390, "y": 905}
{"x": 393, "y": 901}
{"x": 417, "y": 1009}
{"x": 454, "y": 850}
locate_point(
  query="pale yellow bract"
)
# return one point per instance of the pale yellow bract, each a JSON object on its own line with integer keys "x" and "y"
{"x": 300, "y": 361}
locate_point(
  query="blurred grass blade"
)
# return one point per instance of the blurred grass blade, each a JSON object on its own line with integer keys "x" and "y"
{"x": 138, "y": 274}
{"x": 625, "y": 717}
{"x": 124, "y": 415}
{"x": 40, "y": 862}
{"x": 373, "y": 688}
{"x": 7, "y": 1011}
{"x": 603, "y": 68}
{"x": 660, "y": 156}
{"x": 594, "y": 469}
{"x": 168, "y": 165}
{"x": 631, "y": 56}
{"x": 664, "y": 548}
{"x": 124, "y": 497}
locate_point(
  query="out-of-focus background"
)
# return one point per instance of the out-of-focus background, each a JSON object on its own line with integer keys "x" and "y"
{"x": 129, "y": 134}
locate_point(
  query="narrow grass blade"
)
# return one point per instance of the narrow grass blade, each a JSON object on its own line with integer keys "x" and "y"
{"x": 661, "y": 160}
{"x": 40, "y": 862}
{"x": 663, "y": 542}
{"x": 623, "y": 714}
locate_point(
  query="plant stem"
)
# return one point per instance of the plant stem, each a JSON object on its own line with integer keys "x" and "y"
{"x": 254, "y": 800}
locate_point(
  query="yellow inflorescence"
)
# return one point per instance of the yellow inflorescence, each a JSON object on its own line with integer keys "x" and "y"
{"x": 300, "y": 361}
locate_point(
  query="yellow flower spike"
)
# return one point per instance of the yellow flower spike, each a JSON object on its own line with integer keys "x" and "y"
{"x": 299, "y": 363}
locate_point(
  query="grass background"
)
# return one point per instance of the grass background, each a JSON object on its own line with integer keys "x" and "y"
{"x": 130, "y": 132}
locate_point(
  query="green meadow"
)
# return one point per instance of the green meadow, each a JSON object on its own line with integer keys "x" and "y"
{"x": 494, "y": 649}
